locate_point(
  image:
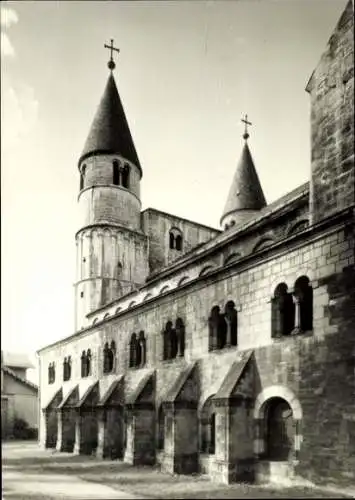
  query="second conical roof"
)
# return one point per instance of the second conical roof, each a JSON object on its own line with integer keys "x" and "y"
{"x": 245, "y": 192}
{"x": 109, "y": 131}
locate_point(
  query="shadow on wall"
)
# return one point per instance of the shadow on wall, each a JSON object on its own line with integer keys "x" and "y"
{"x": 320, "y": 372}
{"x": 327, "y": 388}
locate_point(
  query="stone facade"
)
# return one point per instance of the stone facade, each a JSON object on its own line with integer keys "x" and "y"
{"x": 232, "y": 355}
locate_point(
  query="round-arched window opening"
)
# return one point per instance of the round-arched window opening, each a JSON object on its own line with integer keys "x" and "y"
{"x": 280, "y": 430}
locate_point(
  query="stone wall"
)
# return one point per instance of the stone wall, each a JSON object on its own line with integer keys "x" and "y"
{"x": 301, "y": 363}
{"x": 290, "y": 216}
{"x": 157, "y": 225}
{"x": 331, "y": 90}
{"x": 111, "y": 261}
{"x": 101, "y": 201}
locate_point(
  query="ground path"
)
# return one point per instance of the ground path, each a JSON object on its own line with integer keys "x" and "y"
{"x": 34, "y": 474}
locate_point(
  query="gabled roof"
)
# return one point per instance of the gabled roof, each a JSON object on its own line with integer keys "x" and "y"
{"x": 110, "y": 133}
{"x": 57, "y": 397}
{"x": 245, "y": 192}
{"x": 89, "y": 397}
{"x": 71, "y": 399}
{"x": 14, "y": 375}
{"x": 175, "y": 390}
{"x": 136, "y": 395}
{"x": 111, "y": 391}
{"x": 233, "y": 376}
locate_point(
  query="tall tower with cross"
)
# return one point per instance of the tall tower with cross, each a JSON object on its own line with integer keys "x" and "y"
{"x": 112, "y": 251}
{"x": 245, "y": 197}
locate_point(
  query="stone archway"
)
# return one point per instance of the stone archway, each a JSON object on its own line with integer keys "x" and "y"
{"x": 279, "y": 404}
{"x": 279, "y": 430}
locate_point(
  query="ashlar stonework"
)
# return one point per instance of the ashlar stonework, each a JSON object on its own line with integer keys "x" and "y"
{"x": 223, "y": 352}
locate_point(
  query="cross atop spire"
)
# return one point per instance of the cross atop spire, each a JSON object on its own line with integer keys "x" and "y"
{"x": 111, "y": 64}
{"x": 246, "y": 123}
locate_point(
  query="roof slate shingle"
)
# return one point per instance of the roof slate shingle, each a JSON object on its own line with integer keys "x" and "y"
{"x": 245, "y": 192}
{"x": 110, "y": 133}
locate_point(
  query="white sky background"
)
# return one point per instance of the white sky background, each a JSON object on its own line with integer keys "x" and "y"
{"x": 186, "y": 73}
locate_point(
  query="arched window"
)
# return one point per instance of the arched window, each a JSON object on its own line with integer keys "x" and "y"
{"x": 106, "y": 350}
{"x": 125, "y": 176}
{"x": 183, "y": 280}
{"x": 303, "y": 293}
{"x": 298, "y": 227}
{"x": 212, "y": 429}
{"x": 115, "y": 173}
{"x": 282, "y": 312}
{"x": 141, "y": 350}
{"x": 161, "y": 427}
{"x": 175, "y": 239}
{"x": 83, "y": 365}
{"x": 170, "y": 345}
{"x": 279, "y": 430}
{"x": 88, "y": 362}
{"x": 231, "y": 318}
{"x": 232, "y": 258}
{"x": 206, "y": 270}
{"x": 137, "y": 350}
{"x": 266, "y": 242}
{"x": 217, "y": 329}
{"x": 111, "y": 356}
{"x": 133, "y": 351}
{"x": 67, "y": 368}
{"x": 82, "y": 177}
{"x": 178, "y": 242}
{"x": 180, "y": 336}
{"x": 51, "y": 373}
{"x": 208, "y": 427}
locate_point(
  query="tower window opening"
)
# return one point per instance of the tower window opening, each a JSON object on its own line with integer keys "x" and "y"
{"x": 81, "y": 294}
{"x": 82, "y": 177}
{"x": 175, "y": 239}
{"x": 125, "y": 176}
{"x": 116, "y": 173}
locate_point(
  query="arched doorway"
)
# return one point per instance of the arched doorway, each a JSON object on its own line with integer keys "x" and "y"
{"x": 280, "y": 430}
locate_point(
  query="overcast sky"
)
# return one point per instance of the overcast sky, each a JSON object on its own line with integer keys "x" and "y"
{"x": 187, "y": 72}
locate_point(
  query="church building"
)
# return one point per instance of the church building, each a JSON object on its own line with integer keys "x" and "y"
{"x": 229, "y": 352}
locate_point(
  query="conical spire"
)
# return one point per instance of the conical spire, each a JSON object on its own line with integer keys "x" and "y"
{"x": 109, "y": 131}
{"x": 245, "y": 192}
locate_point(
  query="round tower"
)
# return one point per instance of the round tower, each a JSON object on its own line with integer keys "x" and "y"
{"x": 111, "y": 248}
{"x": 245, "y": 198}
